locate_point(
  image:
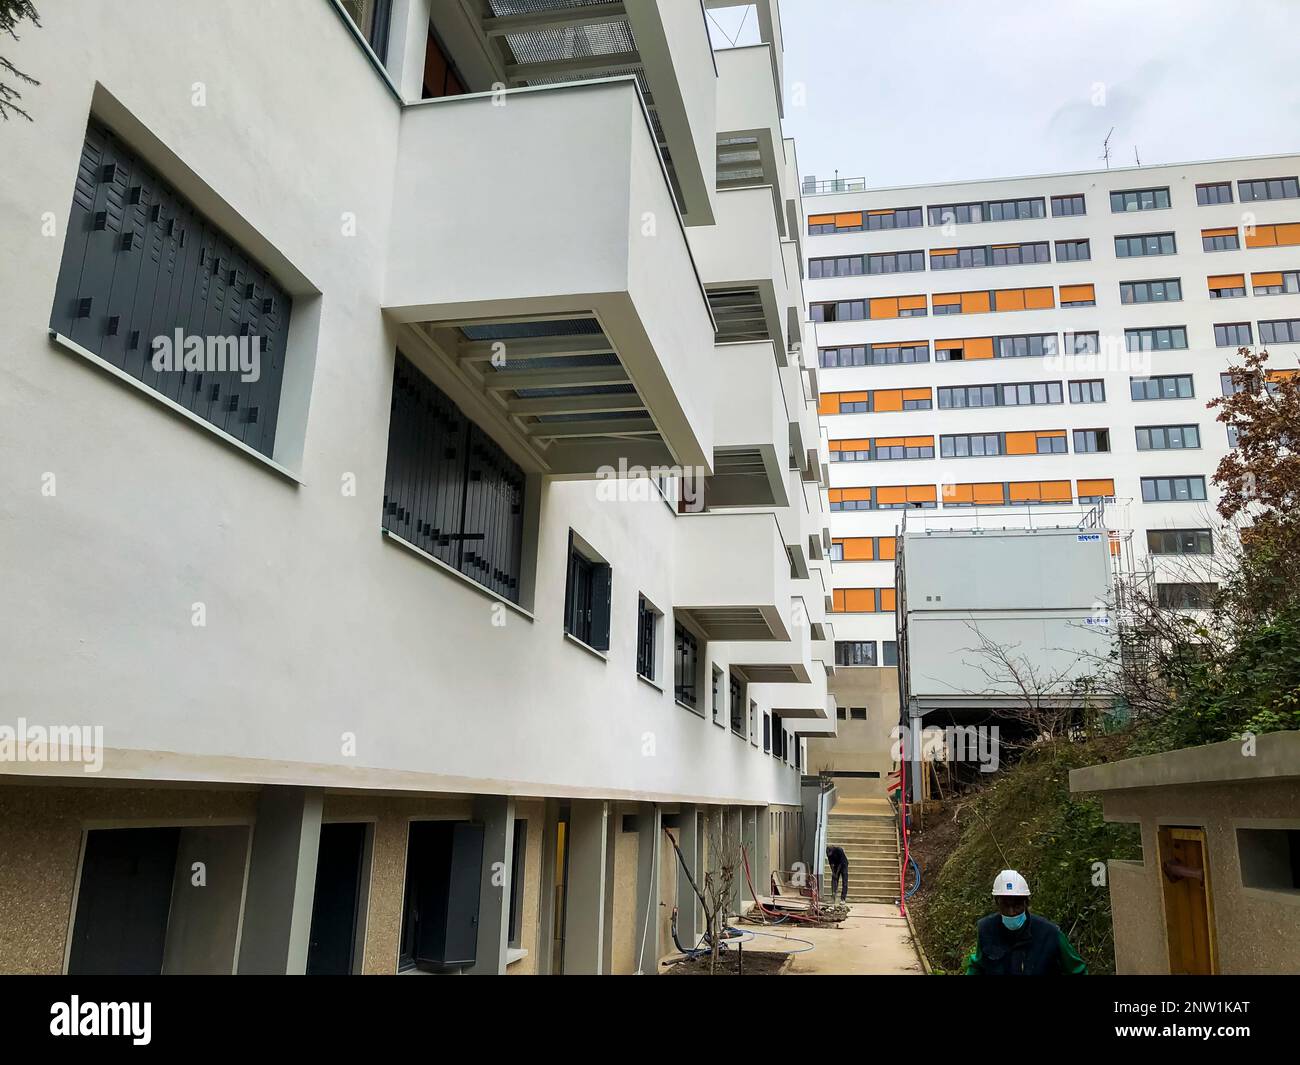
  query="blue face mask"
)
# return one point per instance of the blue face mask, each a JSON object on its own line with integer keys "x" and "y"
{"x": 1013, "y": 924}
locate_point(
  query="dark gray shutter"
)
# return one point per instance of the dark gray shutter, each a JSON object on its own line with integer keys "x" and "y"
{"x": 601, "y": 590}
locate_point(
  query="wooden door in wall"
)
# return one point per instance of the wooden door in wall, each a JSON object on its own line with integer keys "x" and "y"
{"x": 1188, "y": 899}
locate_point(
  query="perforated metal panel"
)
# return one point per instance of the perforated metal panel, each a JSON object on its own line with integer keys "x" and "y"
{"x": 449, "y": 489}
{"x": 139, "y": 263}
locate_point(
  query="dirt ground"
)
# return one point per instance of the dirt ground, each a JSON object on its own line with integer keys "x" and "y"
{"x": 756, "y": 963}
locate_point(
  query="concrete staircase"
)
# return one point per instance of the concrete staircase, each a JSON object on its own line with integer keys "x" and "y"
{"x": 871, "y": 842}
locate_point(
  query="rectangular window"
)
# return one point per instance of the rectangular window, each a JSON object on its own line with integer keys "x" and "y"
{"x": 441, "y": 78}
{"x": 1139, "y": 200}
{"x": 587, "y": 597}
{"x": 1269, "y": 859}
{"x": 1165, "y": 291}
{"x": 1166, "y": 386}
{"x": 1073, "y": 251}
{"x": 1164, "y": 338}
{"x": 1094, "y": 491}
{"x": 895, "y": 218}
{"x": 1275, "y": 284}
{"x": 142, "y": 269}
{"x": 518, "y": 870}
{"x": 1091, "y": 440}
{"x": 895, "y": 262}
{"x": 1172, "y": 489}
{"x": 1220, "y": 239}
{"x": 1180, "y": 542}
{"x": 875, "y": 354}
{"x": 1284, "y": 188}
{"x": 1227, "y": 286}
{"x": 1009, "y": 395}
{"x": 717, "y": 696}
{"x": 686, "y": 666}
{"x": 1015, "y": 347}
{"x": 970, "y": 445}
{"x": 986, "y": 211}
{"x": 989, "y": 255}
{"x": 889, "y": 653}
{"x": 1194, "y": 596}
{"x": 1232, "y": 335}
{"x": 449, "y": 489}
{"x": 1068, "y": 206}
{"x": 767, "y": 732}
{"x": 1280, "y": 235}
{"x": 1078, "y": 296}
{"x": 1142, "y": 244}
{"x": 858, "y": 713}
{"x": 1082, "y": 343}
{"x": 1214, "y": 192}
{"x": 647, "y": 639}
{"x": 372, "y": 18}
{"x": 1280, "y": 331}
{"x": 1167, "y": 437}
{"x": 736, "y": 691}
{"x": 855, "y": 652}
{"x": 857, "y": 221}
{"x": 1087, "y": 391}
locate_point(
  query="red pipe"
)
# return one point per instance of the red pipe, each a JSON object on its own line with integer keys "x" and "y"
{"x": 902, "y": 824}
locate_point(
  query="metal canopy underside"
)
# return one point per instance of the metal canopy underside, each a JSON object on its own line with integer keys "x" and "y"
{"x": 739, "y": 315}
{"x": 731, "y": 622}
{"x": 557, "y": 379}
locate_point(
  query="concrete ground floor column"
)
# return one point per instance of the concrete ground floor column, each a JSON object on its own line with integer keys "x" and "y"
{"x": 585, "y": 910}
{"x": 496, "y": 813}
{"x": 649, "y": 855}
{"x": 690, "y": 915}
{"x": 281, "y": 881}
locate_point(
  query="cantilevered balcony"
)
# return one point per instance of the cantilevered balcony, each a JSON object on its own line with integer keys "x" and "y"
{"x": 732, "y": 577}
{"x": 809, "y": 702}
{"x": 743, "y": 269}
{"x": 774, "y": 661}
{"x": 750, "y": 422}
{"x": 751, "y": 150}
{"x": 665, "y": 46}
{"x": 537, "y": 257}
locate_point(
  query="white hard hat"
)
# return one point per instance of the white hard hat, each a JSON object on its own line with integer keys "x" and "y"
{"x": 1009, "y": 882}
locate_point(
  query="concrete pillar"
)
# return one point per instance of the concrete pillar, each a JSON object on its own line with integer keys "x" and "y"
{"x": 497, "y": 815}
{"x": 650, "y": 852}
{"x": 761, "y": 860}
{"x": 584, "y": 916}
{"x": 690, "y": 915}
{"x": 546, "y": 916}
{"x": 281, "y": 881}
{"x": 408, "y": 30}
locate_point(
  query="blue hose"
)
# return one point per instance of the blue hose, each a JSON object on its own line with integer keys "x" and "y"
{"x": 917, "y": 886}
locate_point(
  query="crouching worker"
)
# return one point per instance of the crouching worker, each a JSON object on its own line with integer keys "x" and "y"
{"x": 1015, "y": 942}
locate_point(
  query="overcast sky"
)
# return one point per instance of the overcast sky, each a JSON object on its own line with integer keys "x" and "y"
{"x": 918, "y": 91}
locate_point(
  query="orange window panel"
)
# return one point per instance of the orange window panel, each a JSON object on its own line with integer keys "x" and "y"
{"x": 921, "y": 493}
{"x": 959, "y": 493}
{"x": 1281, "y": 375}
{"x": 837, "y": 600}
{"x": 916, "y": 393}
{"x": 834, "y": 445}
{"x": 886, "y": 210}
{"x": 849, "y": 218}
{"x": 1038, "y": 299}
{"x": 896, "y": 493}
{"x": 1051, "y": 432}
{"x": 1097, "y": 488}
{"x": 1076, "y": 294}
{"x": 975, "y": 303}
{"x": 911, "y": 303}
{"x": 1010, "y": 299}
{"x": 1219, "y": 232}
{"x": 888, "y": 547}
{"x": 979, "y": 348}
{"x": 847, "y": 494}
{"x": 1258, "y": 280}
{"x": 854, "y": 397}
{"x": 1056, "y": 492}
{"x": 853, "y": 445}
{"x": 888, "y": 399}
{"x": 891, "y": 441}
{"x": 821, "y": 219}
{"x": 920, "y": 441}
{"x": 1262, "y": 237}
{"x": 859, "y": 600}
{"x": 1289, "y": 233}
{"x": 945, "y": 299}
{"x": 990, "y": 492}
{"x": 887, "y": 600}
{"x": 1022, "y": 443}
{"x": 836, "y": 495}
{"x": 885, "y": 308}
{"x": 829, "y": 403}
{"x": 943, "y": 251}
{"x": 1025, "y": 490}
{"x": 858, "y": 548}
{"x": 1114, "y": 546}
{"x": 1238, "y": 280}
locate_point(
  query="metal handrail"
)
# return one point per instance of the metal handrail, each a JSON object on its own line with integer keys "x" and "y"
{"x": 813, "y": 187}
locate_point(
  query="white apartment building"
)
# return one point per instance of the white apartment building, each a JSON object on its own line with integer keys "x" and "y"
{"x": 1034, "y": 341}
{"x": 465, "y": 528}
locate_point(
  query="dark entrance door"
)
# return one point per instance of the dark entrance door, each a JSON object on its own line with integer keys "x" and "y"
{"x": 339, "y": 867}
{"x": 124, "y": 901}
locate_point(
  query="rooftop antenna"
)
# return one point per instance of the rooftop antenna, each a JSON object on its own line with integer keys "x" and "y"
{"x": 1105, "y": 148}
{"x": 1136, "y": 158}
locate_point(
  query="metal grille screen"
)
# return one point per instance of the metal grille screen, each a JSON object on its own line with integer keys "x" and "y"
{"x": 449, "y": 489}
{"x": 145, "y": 274}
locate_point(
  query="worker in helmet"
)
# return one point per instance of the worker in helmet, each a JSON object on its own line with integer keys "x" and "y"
{"x": 1015, "y": 942}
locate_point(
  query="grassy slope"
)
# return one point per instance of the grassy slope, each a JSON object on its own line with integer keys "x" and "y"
{"x": 1051, "y": 837}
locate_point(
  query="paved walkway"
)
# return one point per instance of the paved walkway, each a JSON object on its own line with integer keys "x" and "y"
{"x": 873, "y": 941}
